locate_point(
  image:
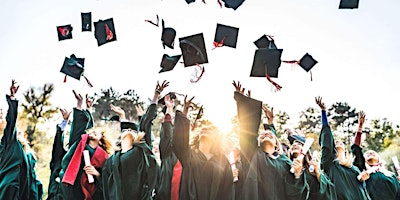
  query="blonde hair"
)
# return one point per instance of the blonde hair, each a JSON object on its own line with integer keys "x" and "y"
{"x": 104, "y": 142}
{"x": 346, "y": 160}
{"x": 138, "y": 139}
{"x": 214, "y": 132}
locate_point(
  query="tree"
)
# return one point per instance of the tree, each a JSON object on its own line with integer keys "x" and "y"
{"x": 310, "y": 120}
{"x": 281, "y": 119}
{"x": 37, "y": 106}
{"x": 380, "y": 135}
{"x": 344, "y": 119}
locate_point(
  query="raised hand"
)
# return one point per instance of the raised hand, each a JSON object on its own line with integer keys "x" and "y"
{"x": 361, "y": 119}
{"x": 238, "y": 87}
{"x": 269, "y": 113}
{"x": 187, "y": 104}
{"x": 319, "y": 102}
{"x": 248, "y": 93}
{"x": 79, "y": 99}
{"x": 13, "y": 88}
{"x": 139, "y": 110}
{"x": 119, "y": 111}
{"x": 65, "y": 114}
{"x": 160, "y": 88}
{"x": 89, "y": 101}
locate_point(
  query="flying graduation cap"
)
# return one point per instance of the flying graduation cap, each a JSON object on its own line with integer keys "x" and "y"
{"x": 168, "y": 62}
{"x": 225, "y": 36}
{"x": 86, "y": 21}
{"x": 265, "y": 41}
{"x": 234, "y": 4}
{"x": 74, "y": 67}
{"x": 64, "y": 32}
{"x": 266, "y": 63}
{"x": 167, "y": 36}
{"x": 104, "y": 31}
{"x": 194, "y": 53}
{"x": 348, "y": 4}
{"x": 307, "y": 62}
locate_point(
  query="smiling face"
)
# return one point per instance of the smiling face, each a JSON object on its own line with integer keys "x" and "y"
{"x": 295, "y": 148}
{"x": 371, "y": 157}
{"x": 267, "y": 137}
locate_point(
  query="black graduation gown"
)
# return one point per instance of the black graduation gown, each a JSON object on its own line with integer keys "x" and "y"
{"x": 15, "y": 181}
{"x": 344, "y": 178}
{"x": 379, "y": 186}
{"x": 82, "y": 120}
{"x": 202, "y": 178}
{"x": 130, "y": 175}
{"x": 265, "y": 178}
{"x": 168, "y": 163}
{"x": 58, "y": 152}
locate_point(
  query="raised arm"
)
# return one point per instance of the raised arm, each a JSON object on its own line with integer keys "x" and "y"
{"x": 180, "y": 140}
{"x": 249, "y": 115}
{"x": 10, "y": 133}
{"x": 167, "y": 129}
{"x": 58, "y": 151}
{"x": 356, "y": 149}
{"x": 80, "y": 122}
{"x": 269, "y": 113}
{"x": 147, "y": 120}
{"x": 326, "y": 140}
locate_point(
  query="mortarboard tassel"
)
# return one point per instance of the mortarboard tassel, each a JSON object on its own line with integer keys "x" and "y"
{"x": 219, "y": 44}
{"x": 204, "y": 1}
{"x": 277, "y": 86}
{"x": 155, "y": 24}
{"x": 311, "y": 75}
{"x": 196, "y": 77}
{"x": 87, "y": 80}
{"x": 220, "y": 3}
{"x": 65, "y": 79}
{"x": 109, "y": 33}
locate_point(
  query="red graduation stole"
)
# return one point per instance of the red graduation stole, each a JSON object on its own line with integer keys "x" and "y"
{"x": 98, "y": 159}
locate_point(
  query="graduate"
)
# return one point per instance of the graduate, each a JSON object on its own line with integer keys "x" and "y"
{"x": 171, "y": 168}
{"x": 57, "y": 154}
{"x": 36, "y": 187}
{"x": 338, "y": 164}
{"x": 74, "y": 172}
{"x": 207, "y": 174}
{"x": 381, "y": 183}
{"x": 269, "y": 175}
{"x": 15, "y": 181}
{"x": 320, "y": 185}
{"x": 131, "y": 172}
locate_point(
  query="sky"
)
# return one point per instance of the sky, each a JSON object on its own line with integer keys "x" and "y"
{"x": 357, "y": 52}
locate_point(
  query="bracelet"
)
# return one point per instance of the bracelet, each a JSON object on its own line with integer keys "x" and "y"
{"x": 158, "y": 91}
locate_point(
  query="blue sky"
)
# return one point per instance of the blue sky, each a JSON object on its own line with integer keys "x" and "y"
{"x": 357, "y": 51}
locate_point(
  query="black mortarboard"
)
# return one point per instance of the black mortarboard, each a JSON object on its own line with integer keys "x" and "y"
{"x": 167, "y": 36}
{"x": 266, "y": 61}
{"x": 64, "y": 32}
{"x": 104, "y": 31}
{"x": 190, "y": 1}
{"x": 168, "y": 62}
{"x": 307, "y": 62}
{"x": 234, "y": 4}
{"x": 73, "y": 67}
{"x": 265, "y": 42}
{"x": 348, "y": 4}
{"x": 129, "y": 125}
{"x": 299, "y": 138}
{"x": 193, "y": 50}
{"x": 86, "y": 21}
{"x": 226, "y": 36}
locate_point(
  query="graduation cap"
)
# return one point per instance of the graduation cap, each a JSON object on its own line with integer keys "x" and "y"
{"x": 104, "y": 31}
{"x": 193, "y": 50}
{"x": 161, "y": 101}
{"x": 234, "y": 4}
{"x": 226, "y": 36}
{"x": 86, "y": 21}
{"x": 168, "y": 62}
{"x": 348, "y": 4}
{"x": 129, "y": 125}
{"x": 307, "y": 62}
{"x": 74, "y": 67}
{"x": 266, "y": 63}
{"x": 190, "y": 1}
{"x": 64, "y": 32}
{"x": 167, "y": 36}
{"x": 265, "y": 41}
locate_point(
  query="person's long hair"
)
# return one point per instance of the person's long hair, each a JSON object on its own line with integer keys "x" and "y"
{"x": 347, "y": 159}
{"x": 139, "y": 138}
{"x": 104, "y": 142}
{"x": 215, "y": 138}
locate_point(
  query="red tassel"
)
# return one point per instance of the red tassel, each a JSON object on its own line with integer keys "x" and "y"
{"x": 277, "y": 86}
{"x": 88, "y": 82}
{"x": 109, "y": 33}
{"x": 65, "y": 78}
{"x": 218, "y": 44}
{"x": 220, "y": 3}
{"x": 291, "y": 61}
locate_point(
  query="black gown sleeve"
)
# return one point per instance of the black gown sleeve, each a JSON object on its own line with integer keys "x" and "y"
{"x": 80, "y": 122}
{"x": 146, "y": 122}
{"x": 180, "y": 141}
{"x": 165, "y": 146}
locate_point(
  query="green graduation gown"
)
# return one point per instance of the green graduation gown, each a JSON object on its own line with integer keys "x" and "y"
{"x": 58, "y": 152}
{"x": 36, "y": 192}
{"x": 15, "y": 181}
{"x": 344, "y": 178}
{"x": 379, "y": 186}
{"x": 82, "y": 120}
{"x": 202, "y": 178}
{"x": 265, "y": 178}
{"x": 322, "y": 189}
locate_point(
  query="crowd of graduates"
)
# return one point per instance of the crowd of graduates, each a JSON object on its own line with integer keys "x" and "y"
{"x": 194, "y": 165}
